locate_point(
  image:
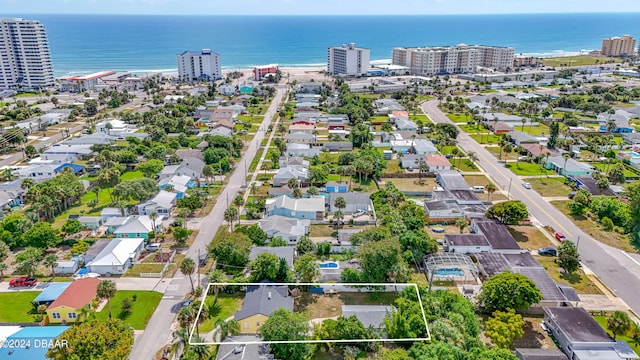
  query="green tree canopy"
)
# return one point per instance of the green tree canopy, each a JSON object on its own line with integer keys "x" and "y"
{"x": 568, "y": 257}
{"x": 503, "y": 327}
{"x": 283, "y": 325}
{"x": 41, "y": 235}
{"x": 231, "y": 249}
{"x": 376, "y": 258}
{"x": 305, "y": 245}
{"x": 508, "y": 212}
{"x": 619, "y": 323}
{"x": 111, "y": 339}
{"x": 150, "y": 168}
{"x": 508, "y": 291}
{"x": 306, "y": 268}
{"x": 268, "y": 267}
{"x": 254, "y": 232}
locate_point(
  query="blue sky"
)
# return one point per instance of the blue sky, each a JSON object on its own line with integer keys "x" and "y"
{"x": 313, "y": 7}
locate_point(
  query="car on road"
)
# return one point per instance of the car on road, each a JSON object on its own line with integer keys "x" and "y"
{"x": 547, "y": 251}
{"x": 526, "y": 185}
{"x": 560, "y": 236}
{"x": 23, "y": 281}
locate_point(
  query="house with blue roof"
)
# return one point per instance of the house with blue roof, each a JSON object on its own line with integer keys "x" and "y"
{"x": 39, "y": 338}
{"x": 51, "y": 293}
{"x": 75, "y": 168}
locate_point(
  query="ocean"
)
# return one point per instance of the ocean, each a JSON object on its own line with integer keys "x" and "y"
{"x": 82, "y": 44}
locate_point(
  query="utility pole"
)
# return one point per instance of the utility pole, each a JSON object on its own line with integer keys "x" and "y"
{"x": 198, "y": 267}
{"x": 509, "y": 191}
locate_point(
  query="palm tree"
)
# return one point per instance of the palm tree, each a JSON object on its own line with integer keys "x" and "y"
{"x": 564, "y": 167}
{"x": 186, "y": 315}
{"x": 231, "y": 215}
{"x": 27, "y": 184}
{"x": 3, "y": 267}
{"x": 215, "y": 279}
{"x": 293, "y": 183}
{"x": 230, "y": 327}
{"x": 337, "y": 217}
{"x": 50, "y": 261}
{"x": 254, "y": 188}
{"x": 340, "y": 203}
{"x": 312, "y": 190}
{"x": 455, "y": 152}
{"x": 297, "y": 193}
{"x": 188, "y": 266}
{"x": 461, "y": 223}
{"x": 107, "y": 290}
{"x": 85, "y": 312}
{"x": 491, "y": 188}
{"x": 153, "y": 216}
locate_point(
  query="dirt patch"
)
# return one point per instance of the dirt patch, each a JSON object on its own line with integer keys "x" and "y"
{"x": 534, "y": 336}
{"x": 316, "y": 306}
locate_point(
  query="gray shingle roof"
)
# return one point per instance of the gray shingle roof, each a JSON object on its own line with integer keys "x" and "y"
{"x": 369, "y": 315}
{"x": 264, "y": 299}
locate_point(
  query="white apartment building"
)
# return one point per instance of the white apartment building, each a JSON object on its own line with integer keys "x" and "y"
{"x": 25, "y": 59}
{"x": 194, "y": 65}
{"x": 618, "y": 46}
{"x": 453, "y": 59}
{"x": 348, "y": 60}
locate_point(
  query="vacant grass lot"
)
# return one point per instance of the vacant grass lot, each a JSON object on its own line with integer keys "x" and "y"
{"x": 579, "y": 60}
{"x": 486, "y": 138}
{"x": 578, "y": 280}
{"x": 550, "y": 187}
{"x": 472, "y": 128}
{"x": 141, "y": 309}
{"x": 411, "y": 184}
{"x": 463, "y": 164}
{"x": 534, "y": 130}
{"x": 620, "y": 241}
{"x": 529, "y": 237}
{"x": 458, "y": 118}
{"x": 16, "y": 306}
{"x": 495, "y": 151}
{"x": 322, "y": 230}
{"x": 527, "y": 169}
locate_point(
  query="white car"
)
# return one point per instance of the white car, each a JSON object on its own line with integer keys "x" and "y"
{"x": 526, "y": 185}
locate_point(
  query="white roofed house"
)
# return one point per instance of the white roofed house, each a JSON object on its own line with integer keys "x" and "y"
{"x": 36, "y": 172}
{"x": 117, "y": 256}
{"x": 161, "y": 204}
{"x": 289, "y": 229}
{"x": 178, "y": 184}
{"x": 306, "y": 208}
{"x": 189, "y": 166}
{"x": 301, "y": 138}
{"x": 356, "y": 201}
{"x": 284, "y": 174}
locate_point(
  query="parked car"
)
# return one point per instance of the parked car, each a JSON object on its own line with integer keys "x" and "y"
{"x": 526, "y": 185}
{"x": 23, "y": 281}
{"x": 571, "y": 195}
{"x": 547, "y": 251}
{"x": 477, "y": 189}
{"x": 153, "y": 247}
{"x": 560, "y": 236}
{"x": 358, "y": 213}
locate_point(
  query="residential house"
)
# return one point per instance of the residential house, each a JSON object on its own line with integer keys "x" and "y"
{"x": 520, "y": 138}
{"x": 406, "y": 125}
{"x": 411, "y": 161}
{"x": 466, "y": 243}
{"x": 306, "y": 208}
{"x": 496, "y": 234}
{"x": 90, "y": 222}
{"x": 10, "y": 199}
{"x": 437, "y": 162}
{"x": 203, "y": 113}
{"x": 115, "y": 127}
{"x": 33, "y": 342}
{"x": 337, "y": 145}
{"x": 111, "y": 212}
{"x": 513, "y": 120}
{"x": 51, "y": 293}
{"x": 90, "y": 140}
{"x": 590, "y": 184}
{"x": 568, "y": 166}
{"x": 185, "y": 154}
{"x": 402, "y": 146}
{"x": 336, "y": 187}
{"x": 500, "y": 127}
{"x": 78, "y": 295}
{"x": 310, "y": 87}
{"x": 218, "y": 131}
{"x": 451, "y": 180}
{"x": 51, "y": 159}
{"x": 243, "y": 347}
{"x": 74, "y": 168}
{"x": 246, "y": 89}
{"x": 282, "y": 252}
{"x": 117, "y": 256}
{"x": 301, "y": 138}
{"x": 288, "y": 229}
{"x": 580, "y": 336}
{"x": 356, "y": 201}
{"x": 540, "y": 354}
{"x": 227, "y": 90}
{"x": 285, "y": 173}
{"x": 260, "y": 302}
{"x": 538, "y": 150}
{"x": 293, "y": 161}
{"x": 371, "y": 316}
{"x": 94, "y": 250}
{"x": 448, "y": 205}
{"x": 336, "y": 124}
{"x": 387, "y": 106}
{"x": 178, "y": 184}
{"x": 191, "y": 167}
{"x": 161, "y": 204}
{"x": 302, "y": 97}
{"x": 620, "y": 118}
{"x": 423, "y": 146}
{"x": 134, "y": 226}
{"x": 80, "y": 151}
{"x": 306, "y": 150}
{"x": 296, "y": 128}
{"x": 339, "y": 134}
{"x": 631, "y": 138}
{"x": 394, "y": 116}
{"x": 36, "y": 172}
{"x": 308, "y": 104}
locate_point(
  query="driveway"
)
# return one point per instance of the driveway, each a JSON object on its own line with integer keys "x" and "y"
{"x": 617, "y": 269}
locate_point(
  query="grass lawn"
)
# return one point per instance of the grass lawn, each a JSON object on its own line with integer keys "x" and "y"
{"x": 141, "y": 309}
{"x": 495, "y": 151}
{"x": 393, "y": 167}
{"x": 578, "y": 60}
{"x": 130, "y": 175}
{"x": 485, "y": 139}
{"x": 529, "y": 237}
{"x": 465, "y": 165}
{"x": 578, "y": 280}
{"x": 136, "y": 269}
{"x": 26, "y": 95}
{"x": 472, "y": 128}
{"x": 602, "y": 320}
{"x": 16, "y": 306}
{"x": 228, "y": 305}
{"x": 411, "y": 184}
{"x": 322, "y": 231}
{"x": 254, "y": 162}
{"x": 550, "y": 186}
{"x": 628, "y": 173}
{"x": 534, "y": 130}
{"x": 620, "y": 241}
{"x": 527, "y": 169}
{"x": 316, "y": 306}
{"x": 458, "y": 118}
{"x": 447, "y": 149}
{"x": 379, "y": 119}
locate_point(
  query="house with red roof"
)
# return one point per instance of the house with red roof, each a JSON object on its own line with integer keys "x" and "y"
{"x": 67, "y": 306}
{"x": 437, "y": 162}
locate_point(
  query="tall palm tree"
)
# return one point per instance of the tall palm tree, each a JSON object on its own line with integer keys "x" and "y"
{"x": 50, "y": 261}
{"x": 153, "y": 216}
{"x": 231, "y": 215}
{"x": 491, "y": 188}
{"x": 188, "y": 266}
{"x": 230, "y": 327}
{"x": 107, "y": 290}
{"x": 216, "y": 278}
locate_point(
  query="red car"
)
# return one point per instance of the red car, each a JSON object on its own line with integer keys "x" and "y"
{"x": 23, "y": 282}
{"x": 560, "y": 236}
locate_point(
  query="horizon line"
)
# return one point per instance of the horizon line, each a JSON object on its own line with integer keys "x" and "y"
{"x": 319, "y": 15}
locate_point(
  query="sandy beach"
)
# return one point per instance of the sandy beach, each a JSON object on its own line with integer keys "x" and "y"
{"x": 294, "y": 73}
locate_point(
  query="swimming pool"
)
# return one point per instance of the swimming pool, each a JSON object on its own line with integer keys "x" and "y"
{"x": 437, "y": 229}
{"x": 449, "y": 272}
{"x": 634, "y": 155}
{"x": 329, "y": 265}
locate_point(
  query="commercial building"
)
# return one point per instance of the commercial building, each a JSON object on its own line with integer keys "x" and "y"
{"x": 261, "y": 71}
{"x": 25, "y": 59}
{"x": 453, "y": 59}
{"x": 83, "y": 83}
{"x": 618, "y": 46}
{"x": 348, "y": 60}
{"x": 194, "y": 65}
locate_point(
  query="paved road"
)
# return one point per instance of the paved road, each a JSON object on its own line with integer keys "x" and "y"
{"x": 617, "y": 269}
{"x": 159, "y": 329}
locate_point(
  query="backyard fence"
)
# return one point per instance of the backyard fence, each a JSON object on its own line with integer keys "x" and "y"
{"x": 164, "y": 268}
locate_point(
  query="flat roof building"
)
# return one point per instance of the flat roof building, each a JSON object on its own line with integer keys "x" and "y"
{"x": 348, "y": 60}
{"x": 194, "y": 65}
{"x": 25, "y": 58}
{"x": 618, "y": 46}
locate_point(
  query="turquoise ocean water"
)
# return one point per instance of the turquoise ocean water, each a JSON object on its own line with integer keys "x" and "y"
{"x": 87, "y": 43}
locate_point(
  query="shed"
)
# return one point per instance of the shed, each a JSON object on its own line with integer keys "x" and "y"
{"x": 66, "y": 267}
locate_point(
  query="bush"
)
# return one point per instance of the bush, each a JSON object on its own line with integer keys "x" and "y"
{"x": 607, "y": 223}
{"x": 126, "y": 306}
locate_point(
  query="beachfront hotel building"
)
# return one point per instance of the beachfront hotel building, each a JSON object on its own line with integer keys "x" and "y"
{"x": 25, "y": 59}
{"x": 261, "y": 71}
{"x": 197, "y": 65}
{"x": 453, "y": 59}
{"x": 348, "y": 60}
{"x": 618, "y": 46}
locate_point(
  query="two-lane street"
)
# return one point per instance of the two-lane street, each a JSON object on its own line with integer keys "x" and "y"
{"x": 617, "y": 269}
